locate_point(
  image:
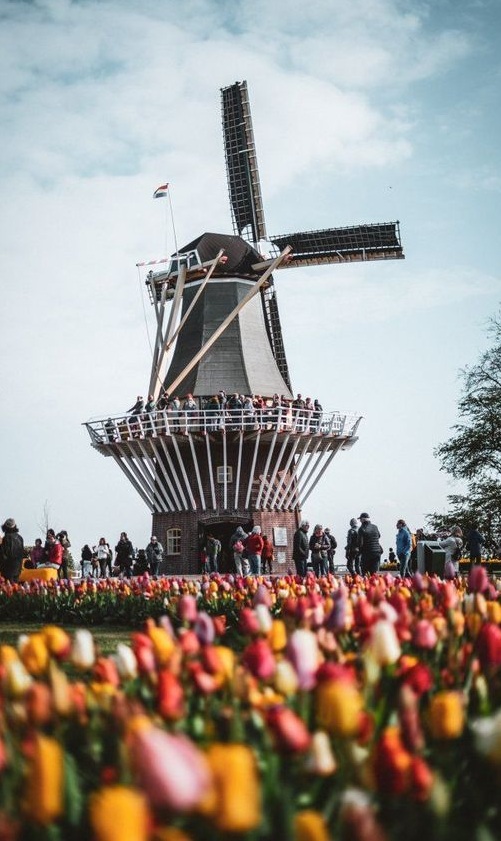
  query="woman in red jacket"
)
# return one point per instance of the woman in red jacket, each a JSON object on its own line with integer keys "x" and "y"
{"x": 254, "y": 547}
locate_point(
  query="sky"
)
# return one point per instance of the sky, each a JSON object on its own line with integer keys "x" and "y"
{"x": 367, "y": 111}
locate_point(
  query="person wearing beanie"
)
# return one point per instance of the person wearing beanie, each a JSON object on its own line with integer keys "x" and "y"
{"x": 11, "y": 551}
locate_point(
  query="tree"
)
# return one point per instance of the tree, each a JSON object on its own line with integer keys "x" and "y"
{"x": 473, "y": 453}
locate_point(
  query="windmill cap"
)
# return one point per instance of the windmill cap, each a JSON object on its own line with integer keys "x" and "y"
{"x": 364, "y": 516}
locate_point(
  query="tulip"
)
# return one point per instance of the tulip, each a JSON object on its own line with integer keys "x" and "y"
{"x": 163, "y": 644}
{"x": 8, "y": 654}
{"x": 488, "y": 645}
{"x": 446, "y": 715}
{"x": 477, "y": 579}
{"x": 264, "y": 618}
{"x": 142, "y": 647}
{"x": 125, "y": 661}
{"x": 289, "y": 731}
{"x": 424, "y": 635}
{"x": 18, "y": 679}
{"x": 358, "y": 818}
{"x": 321, "y": 760}
{"x": 262, "y": 596}
{"x": 204, "y": 629}
{"x": 118, "y": 811}
{"x": 58, "y": 641}
{"x": 285, "y": 679}
{"x": 487, "y": 737}
{"x": 310, "y": 825}
{"x": 338, "y": 705}
{"x": 383, "y": 645}
{"x": 187, "y": 609}
{"x": 170, "y": 696}
{"x": 169, "y": 768}
{"x": 188, "y": 642}
{"x": 259, "y": 659}
{"x": 45, "y": 781}
{"x": 105, "y": 671}
{"x": 35, "y": 654}
{"x": 392, "y": 763}
{"x": 39, "y": 708}
{"x": 248, "y": 622}
{"x": 235, "y": 806}
{"x": 422, "y": 779}
{"x": 83, "y": 652}
{"x": 303, "y": 652}
{"x": 408, "y": 713}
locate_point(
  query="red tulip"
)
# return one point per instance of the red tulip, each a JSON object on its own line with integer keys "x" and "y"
{"x": 289, "y": 731}
{"x": 170, "y": 696}
{"x": 488, "y": 645}
{"x": 259, "y": 659}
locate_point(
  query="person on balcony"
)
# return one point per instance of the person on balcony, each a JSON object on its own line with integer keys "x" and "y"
{"x": 149, "y": 409}
{"x": 213, "y": 410}
{"x": 136, "y": 410}
{"x": 234, "y": 406}
{"x": 189, "y": 408}
{"x": 316, "y": 417}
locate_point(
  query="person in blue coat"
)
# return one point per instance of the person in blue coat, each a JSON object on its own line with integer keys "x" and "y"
{"x": 403, "y": 547}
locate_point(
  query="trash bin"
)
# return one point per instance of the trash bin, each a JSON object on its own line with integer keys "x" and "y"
{"x": 434, "y": 560}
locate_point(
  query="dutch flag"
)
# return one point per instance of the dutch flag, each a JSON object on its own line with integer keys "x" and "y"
{"x": 160, "y": 192}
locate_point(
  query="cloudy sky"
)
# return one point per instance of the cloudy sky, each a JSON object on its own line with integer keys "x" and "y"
{"x": 363, "y": 111}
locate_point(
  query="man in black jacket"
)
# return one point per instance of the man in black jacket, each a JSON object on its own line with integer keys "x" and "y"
{"x": 369, "y": 545}
{"x": 301, "y": 548}
{"x": 11, "y": 551}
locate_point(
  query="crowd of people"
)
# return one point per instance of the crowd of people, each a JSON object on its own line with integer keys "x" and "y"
{"x": 216, "y": 412}
{"x": 252, "y": 552}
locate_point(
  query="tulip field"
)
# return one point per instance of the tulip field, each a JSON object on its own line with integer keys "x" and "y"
{"x": 264, "y": 709}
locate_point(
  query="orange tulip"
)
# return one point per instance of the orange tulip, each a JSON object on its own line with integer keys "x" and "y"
{"x": 45, "y": 781}
{"x": 310, "y": 825}
{"x": 236, "y": 802}
{"x": 446, "y": 715}
{"x": 119, "y": 812}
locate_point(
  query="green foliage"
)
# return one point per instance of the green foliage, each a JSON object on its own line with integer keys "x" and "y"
{"x": 473, "y": 453}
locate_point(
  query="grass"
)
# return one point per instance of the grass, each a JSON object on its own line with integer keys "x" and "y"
{"x": 106, "y": 637}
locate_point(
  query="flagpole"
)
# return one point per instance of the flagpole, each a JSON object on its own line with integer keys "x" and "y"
{"x": 172, "y": 220}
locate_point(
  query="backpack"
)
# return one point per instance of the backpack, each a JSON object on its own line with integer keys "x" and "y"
{"x": 458, "y": 552}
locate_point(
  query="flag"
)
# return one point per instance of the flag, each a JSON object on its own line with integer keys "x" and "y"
{"x": 160, "y": 192}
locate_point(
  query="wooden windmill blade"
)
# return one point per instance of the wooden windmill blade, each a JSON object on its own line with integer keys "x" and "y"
{"x": 379, "y": 241}
{"x": 241, "y": 164}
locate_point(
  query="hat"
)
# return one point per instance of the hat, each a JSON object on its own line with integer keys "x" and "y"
{"x": 364, "y": 516}
{"x": 10, "y": 523}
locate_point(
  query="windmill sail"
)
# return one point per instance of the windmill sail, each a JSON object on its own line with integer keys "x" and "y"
{"x": 241, "y": 164}
{"x": 343, "y": 245}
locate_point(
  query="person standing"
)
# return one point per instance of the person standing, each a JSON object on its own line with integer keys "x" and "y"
{"x": 301, "y": 548}
{"x": 86, "y": 560}
{"x": 237, "y": 546}
{"x": 267, "y": 555}
{"x": 254, "y": 546}
{"x": 154, "y": 555}
{"x": 319, "y": 546}
{"x": 212, "y": 549}
{"x": 352, "y": 552}
{"x": 453, "y": 545}
{"x": 11, "y": 551}
{"x": 124, "y": 555}
{"x": 475, "y": 541}
{"x": 369, "y": 545}
{"x": 403, "y": 546}
{"x": 331, "y": 551}
{"x": 103, "y": 554}
{"x": 65, "y": 543}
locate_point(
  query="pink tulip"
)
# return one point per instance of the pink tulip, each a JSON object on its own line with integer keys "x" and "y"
{"x": 248, "y": 621}
{"x": 303, "y": 652}
{"x": 169, "y": 768}
{"x": 262, "y": 596}
{"x": 477, "y": 579}
{"x": 187, "y": 608}
{"x": 383, "y": 644}
{"x": 204, "y": 628}
{"x": 424, "y": 635}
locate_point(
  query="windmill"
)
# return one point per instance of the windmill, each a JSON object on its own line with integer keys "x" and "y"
{"x": 203, "y": 468}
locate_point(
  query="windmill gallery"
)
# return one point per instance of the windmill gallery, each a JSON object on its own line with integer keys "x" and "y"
{"x": 204, "y": 468}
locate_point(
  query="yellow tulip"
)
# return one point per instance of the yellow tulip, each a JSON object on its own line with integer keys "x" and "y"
{"x": 278, "y": 635}
{"x": 226, "y": 658}
{"x": 45, "y": 781}
{"x": 119, "y": 812}
{"x": 338, "y": 706}
{"x": 310, "y": 826}
{"x": 8, "y": 654}
{"x": 494, "y": 612}
{"x": 236, "y": 806}
{"x": 163, "y": 644}
{"x": 35, "y": 654}
{"x": 58, "y": 641}
{"x": 446, "y": 715}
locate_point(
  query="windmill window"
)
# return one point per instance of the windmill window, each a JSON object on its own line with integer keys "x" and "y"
{"x": 224, "y": 475}
{"x": 173, "y": 541}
